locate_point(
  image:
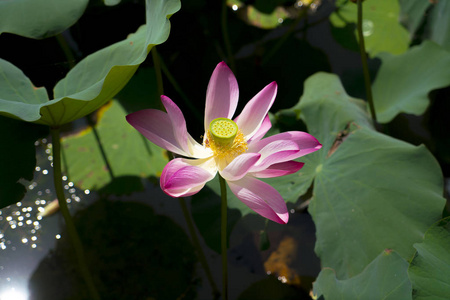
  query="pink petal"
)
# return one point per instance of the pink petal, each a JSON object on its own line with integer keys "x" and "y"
{"x": 156, "y": 126}
{"x": 178, "y": 122}
{"x": 240, "y": 166}
{"x": 222, "y": 94}
{"x": 260, "y": 197}
{"x": 167, "y": 130}
{"x": 256, "y": 110}
{"x": 185, "y": 177}
{"x": 279, "y": 169}
{"x": 276, "y": 152}
{"x": 265, "y": 127}
{"x": 306, "y": 142}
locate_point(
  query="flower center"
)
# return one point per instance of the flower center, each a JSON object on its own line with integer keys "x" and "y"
{"x": 225, "y": 140}
{"x": 223, "y": 131}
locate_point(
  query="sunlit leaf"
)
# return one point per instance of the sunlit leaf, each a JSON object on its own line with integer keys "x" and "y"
{"x": 371, "y": 192}
{"x": 404, "y": 81}
{"x": 381, "y": 28}
{"x": 431, "y": 265}
{"x": 266, "y": 20}
{"x": 97, "y": 78}
{"x": 126, "y": 151}
{"x": 39, "y": 18}
{"x": 384, "y": 278}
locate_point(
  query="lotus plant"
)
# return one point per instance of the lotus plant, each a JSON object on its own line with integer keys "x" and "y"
{"x": 234, "y": 148}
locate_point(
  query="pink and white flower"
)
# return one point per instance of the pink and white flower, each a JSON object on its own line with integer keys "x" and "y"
{"x": 236, "y": 149}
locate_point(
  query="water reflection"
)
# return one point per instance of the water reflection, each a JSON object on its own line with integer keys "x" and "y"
{"x": 133, "y": 254}
{"x": 26, "y": 234}
{"x": 14, "y": 294}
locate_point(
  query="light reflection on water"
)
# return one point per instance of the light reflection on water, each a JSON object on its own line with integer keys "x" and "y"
{"x": 26, "y": 235}
{"x": 13, "y": 294}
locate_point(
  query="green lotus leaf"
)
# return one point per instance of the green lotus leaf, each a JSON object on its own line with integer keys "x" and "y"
{"x": 381, "y": 28}
{"x": 18, "y": 94}
{"x": 341, "y": 109}
{"x": 430, "y": 266}
{"x": 39, "y": 18}
{"x": 404, "y": 81}
{"x": 434, "y": 15}
{"x": 126, "y": 154}
{"x": 384, "y": 278}
{"x": 439, "y": 25}
{"x": 371, "y": 192}
{"x": 412, "y": 13}
{"x": 96, "y": 79}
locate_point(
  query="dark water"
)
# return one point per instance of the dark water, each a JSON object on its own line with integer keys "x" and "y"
{"x": 138, "y": 247}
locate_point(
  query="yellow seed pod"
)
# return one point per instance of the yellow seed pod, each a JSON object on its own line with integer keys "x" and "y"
{"x": 223, "y": 130}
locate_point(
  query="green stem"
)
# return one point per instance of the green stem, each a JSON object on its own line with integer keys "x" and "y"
{"x": 66, "y": 49}
{"x": 71, "y": 230}
{"x": 362, "y": 50}
{"x": 223, "y": 237}
{"x": 157, "y": 65}
{"x": 226, "y": 37}
{"x": 198, "y": 247}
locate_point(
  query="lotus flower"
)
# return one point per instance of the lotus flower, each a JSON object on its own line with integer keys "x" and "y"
{"x": 234, "y": 148}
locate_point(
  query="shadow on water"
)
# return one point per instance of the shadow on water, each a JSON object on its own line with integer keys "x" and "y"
{"x": 132, "y": 253}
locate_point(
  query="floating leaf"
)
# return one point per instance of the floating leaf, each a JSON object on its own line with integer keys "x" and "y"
{"x": 39, "y": 18}
{"x": 404, "y": 81}
{"x": 371, "y": 192}
{"x": 97, "y": 78}
{"x": 381, "y": 28}
{"x": 384, "y": 278}
{"x": 126, "y": 151}
{"x": 431, "y": 265}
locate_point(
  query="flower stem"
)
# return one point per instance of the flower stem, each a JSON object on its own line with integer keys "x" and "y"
{"x": 362, "y": 50}
{"x": 158, "y": 74}
{"x": 223, "y": 237}
{"x": 66, "y": 49}
{"x": 71, "y": 230}
{"x": 198, "y": 247}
